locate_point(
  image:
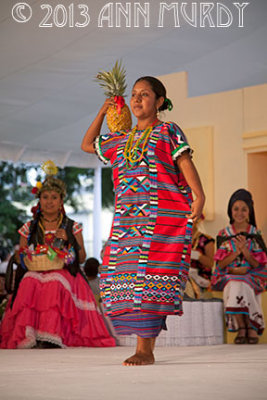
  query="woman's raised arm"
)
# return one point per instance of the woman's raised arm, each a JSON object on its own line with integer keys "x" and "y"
{"x": 95, "y": 127}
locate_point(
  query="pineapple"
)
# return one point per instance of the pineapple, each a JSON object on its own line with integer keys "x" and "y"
{"x": 118, "y": 116}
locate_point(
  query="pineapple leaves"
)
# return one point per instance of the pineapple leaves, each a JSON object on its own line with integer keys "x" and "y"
{"x": 114, "y": 81}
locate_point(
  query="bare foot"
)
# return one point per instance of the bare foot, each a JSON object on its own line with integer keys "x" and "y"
{"x": 140, "y": 359}
{"x": 144, "y": 352}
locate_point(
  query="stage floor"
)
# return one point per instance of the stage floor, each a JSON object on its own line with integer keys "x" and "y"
{"x": 218, "y": 372}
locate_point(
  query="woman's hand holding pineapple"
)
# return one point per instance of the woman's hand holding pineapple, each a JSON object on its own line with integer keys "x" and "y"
{"x": 108, "y": 103}
{"x": 117, "y": 112}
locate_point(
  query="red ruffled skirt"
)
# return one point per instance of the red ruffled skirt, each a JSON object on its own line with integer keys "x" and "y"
{"x": 54, "y": 307}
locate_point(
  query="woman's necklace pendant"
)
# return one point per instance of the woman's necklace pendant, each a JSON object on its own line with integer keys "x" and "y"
{"x": 134, "y": 154}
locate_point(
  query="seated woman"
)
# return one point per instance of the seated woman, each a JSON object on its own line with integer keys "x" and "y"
{"x": 240, "y": 269}
{"x": 201, "y": 264}
{"x": 56, "y": 307}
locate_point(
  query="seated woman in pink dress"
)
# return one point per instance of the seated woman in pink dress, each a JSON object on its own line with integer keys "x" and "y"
{"x": 241, "y": 269}
{"x": 56, "y": 307}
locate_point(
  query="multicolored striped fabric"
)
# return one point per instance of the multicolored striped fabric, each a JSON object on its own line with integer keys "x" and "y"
{"x": 255, "y": 277}
{"x": 147, "y": 258}
{"x": 144, "y": 325}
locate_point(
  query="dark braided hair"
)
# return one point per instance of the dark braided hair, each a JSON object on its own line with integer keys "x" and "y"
{"x": 36, "y": 235}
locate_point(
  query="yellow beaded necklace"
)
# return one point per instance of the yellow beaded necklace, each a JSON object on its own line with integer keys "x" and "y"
{"x": 58, "y": 224}
{"x": 133, "y": 154}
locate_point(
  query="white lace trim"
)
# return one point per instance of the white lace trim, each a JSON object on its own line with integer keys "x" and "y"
{"x": 179, "y": 151}
{"x": 98, "y": 150}
{"x": 32, "y": 335}
{"x": 54, "y": 276}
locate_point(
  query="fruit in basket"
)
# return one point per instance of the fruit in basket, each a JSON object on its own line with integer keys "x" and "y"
{"x": 113, "y": 81}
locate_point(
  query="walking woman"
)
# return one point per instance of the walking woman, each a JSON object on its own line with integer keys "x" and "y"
{"x": 146, "y": 261}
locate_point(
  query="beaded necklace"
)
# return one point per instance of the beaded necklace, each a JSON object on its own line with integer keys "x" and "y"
{"x": 133, "y": 154}
{"x": 50, "y": 220}
{"x": 58, "y": 224}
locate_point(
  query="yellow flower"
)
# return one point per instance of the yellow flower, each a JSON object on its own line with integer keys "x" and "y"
{"x": 49, "y": 167}
{"x": 39, "y": 185}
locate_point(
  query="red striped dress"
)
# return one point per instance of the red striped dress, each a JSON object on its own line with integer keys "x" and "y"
{"x": 146, "y": 261}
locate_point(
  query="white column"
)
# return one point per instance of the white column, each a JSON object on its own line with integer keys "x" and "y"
{"x": 97, "y": 231}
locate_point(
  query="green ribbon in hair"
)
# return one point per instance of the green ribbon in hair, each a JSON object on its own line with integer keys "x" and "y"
{"x": 169, "y": 104}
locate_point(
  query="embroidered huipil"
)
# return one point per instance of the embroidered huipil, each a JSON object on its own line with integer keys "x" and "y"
{"x": 147, "y": 258}
{"x": 255, "y": 277}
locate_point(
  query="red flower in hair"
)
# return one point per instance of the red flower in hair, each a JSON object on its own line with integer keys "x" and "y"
{"x": 34, "y": 190}
{"x": 34, "y": 210}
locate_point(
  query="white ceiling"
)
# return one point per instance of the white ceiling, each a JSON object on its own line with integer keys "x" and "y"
{"x": 47, "y": 93}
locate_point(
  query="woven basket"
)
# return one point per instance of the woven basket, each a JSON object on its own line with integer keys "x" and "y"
{"x": 40, "y": 262}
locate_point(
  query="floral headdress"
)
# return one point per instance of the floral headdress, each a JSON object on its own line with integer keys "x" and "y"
{"x": 50, "y": 182}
